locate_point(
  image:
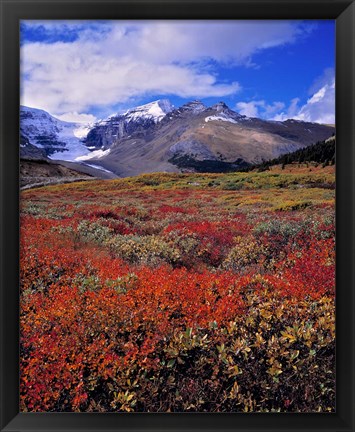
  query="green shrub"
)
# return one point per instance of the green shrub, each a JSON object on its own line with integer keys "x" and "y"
{"x": 94, "y": 232}
{"x": 245, "y": 253}
{"x": 142, "y": 249}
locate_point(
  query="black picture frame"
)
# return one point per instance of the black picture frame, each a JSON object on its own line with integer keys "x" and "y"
{"x": 343, "y": 11}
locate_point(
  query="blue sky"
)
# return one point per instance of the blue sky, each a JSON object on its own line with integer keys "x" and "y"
{"x": 84, "y": 70}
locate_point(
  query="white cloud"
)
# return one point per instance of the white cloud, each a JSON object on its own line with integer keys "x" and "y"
{"x": 320, "y": 107}
{"x": 128, "y": 60}
{"x": 61, "y": 79}
{"x": 249, "y": 109}
{"x": 259, "y": 108}
{"x": 271, "y": 109}
{"x": 75, "y": 117}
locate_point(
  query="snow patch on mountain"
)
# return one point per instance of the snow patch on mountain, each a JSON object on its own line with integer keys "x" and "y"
{"x": 96, "y": 154}
{"x": 221, "y": 118}
{"x": 99, "y": 168}
{"x": 156, "y": 111}
{"x": 73, "y": 149}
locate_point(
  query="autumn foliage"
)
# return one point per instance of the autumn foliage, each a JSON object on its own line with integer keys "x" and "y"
{"x": 180, "y": 293}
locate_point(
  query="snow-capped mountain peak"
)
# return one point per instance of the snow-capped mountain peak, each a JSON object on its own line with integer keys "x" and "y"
{"x": 156, "y": 111}
{"x": 59, "y": 139}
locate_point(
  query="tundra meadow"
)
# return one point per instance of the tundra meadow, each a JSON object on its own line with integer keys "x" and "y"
{"x": 180, "y": 292}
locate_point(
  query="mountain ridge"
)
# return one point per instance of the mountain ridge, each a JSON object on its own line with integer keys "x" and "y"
{"x": 157, "y": 137}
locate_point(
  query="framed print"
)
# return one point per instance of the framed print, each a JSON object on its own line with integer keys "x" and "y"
{"x": 177, "y": 213}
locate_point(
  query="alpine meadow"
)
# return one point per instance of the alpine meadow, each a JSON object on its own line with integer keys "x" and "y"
{"x": 177, "y": 227}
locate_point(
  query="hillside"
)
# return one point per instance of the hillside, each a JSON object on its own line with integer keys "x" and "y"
{"x": 321, "y": 152}
{"x": 40, "y": 172}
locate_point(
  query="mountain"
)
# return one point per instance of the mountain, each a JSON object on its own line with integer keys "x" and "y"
{"x": 133, "y": 121}
{"x": 158, "y": 137}
{"x": 45, "y": 135}
{"x": 199, "y": 138}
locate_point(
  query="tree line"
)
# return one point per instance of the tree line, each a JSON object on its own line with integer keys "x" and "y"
{"x": 322, "y": 152}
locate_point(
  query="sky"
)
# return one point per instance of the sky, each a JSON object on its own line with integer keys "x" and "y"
{"x": 83, "y": 71}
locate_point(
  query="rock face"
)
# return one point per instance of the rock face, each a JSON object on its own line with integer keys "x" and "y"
{"x": 156, "y": 137}
{"x": 135, "y": 121}
{"x": 30, "y": 151}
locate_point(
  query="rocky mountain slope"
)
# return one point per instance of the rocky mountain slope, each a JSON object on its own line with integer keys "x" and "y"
{"x": 199, "y": 138}
{"x": 135, "y": 121}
